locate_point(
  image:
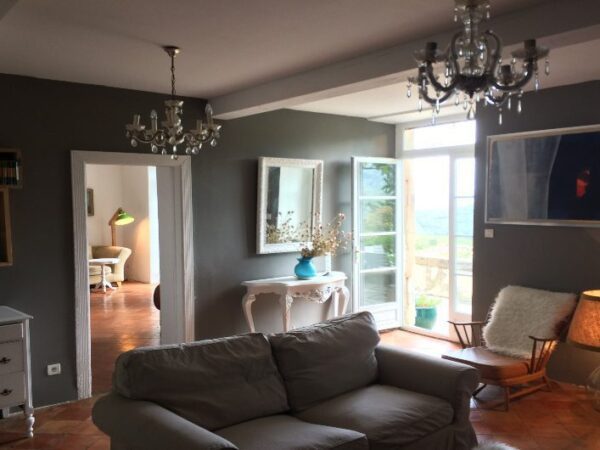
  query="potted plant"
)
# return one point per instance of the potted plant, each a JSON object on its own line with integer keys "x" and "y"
{"x": 426, "y": 306}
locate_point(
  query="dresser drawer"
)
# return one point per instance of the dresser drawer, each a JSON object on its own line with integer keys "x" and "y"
{"x": 11, "y": 332}
{"x": 12, "y": 389}
{"x": 11, "y": 357}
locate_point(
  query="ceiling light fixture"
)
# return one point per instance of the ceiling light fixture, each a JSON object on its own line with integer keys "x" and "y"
{"x": 472, "y": 66}
{"x": 172, "y": 134}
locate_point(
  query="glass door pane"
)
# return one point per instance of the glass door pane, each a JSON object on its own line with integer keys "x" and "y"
{"x": 427, "y": 246}
{"x": 376, "y": 215}
{"x": 463, "y": 204}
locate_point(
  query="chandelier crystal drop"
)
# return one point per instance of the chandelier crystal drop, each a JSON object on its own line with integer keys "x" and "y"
{"x": 171, "y": 133}
{"x": 472, "y": 65}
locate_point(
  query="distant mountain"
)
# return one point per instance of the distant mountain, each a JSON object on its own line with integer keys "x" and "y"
{"x": 435, "y": 221}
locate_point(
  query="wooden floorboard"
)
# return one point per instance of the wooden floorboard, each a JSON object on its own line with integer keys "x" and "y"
{"x": 559, "y": 420}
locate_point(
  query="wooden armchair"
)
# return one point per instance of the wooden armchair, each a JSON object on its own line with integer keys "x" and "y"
{"x": 512, "y": 347}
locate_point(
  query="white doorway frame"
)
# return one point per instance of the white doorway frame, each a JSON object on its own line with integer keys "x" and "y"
{"x": 175, "y": 233}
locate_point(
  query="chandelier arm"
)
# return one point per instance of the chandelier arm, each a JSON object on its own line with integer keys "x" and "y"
{"x": 496, "y": 101}
{"x": 519, "y": 84}
{"x": 493, "y": 56}
{"x": 436, "y": 84}
{"x": 141, "y": 139}
{"x": 434, "y": 101}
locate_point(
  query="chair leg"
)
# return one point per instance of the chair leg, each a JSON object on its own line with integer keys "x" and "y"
{"x": 547, "y": 382}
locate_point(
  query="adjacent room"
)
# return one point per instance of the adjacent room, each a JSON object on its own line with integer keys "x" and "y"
{"x": 123, "y": 263}
{"x": 300, "y": 224}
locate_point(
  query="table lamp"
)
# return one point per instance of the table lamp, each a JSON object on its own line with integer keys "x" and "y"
{"x": 584, "y": 332}
{"x": 120, "y": 217}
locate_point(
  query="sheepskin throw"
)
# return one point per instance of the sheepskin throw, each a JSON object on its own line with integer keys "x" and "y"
{"x": 520, "y": 312}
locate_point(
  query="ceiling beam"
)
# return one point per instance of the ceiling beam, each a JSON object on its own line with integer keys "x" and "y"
{"x": 383, "y": 67}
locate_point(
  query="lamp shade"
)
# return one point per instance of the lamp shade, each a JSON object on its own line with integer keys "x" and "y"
{"x": 584, "y": 331}
{"x": 123, "y": 218}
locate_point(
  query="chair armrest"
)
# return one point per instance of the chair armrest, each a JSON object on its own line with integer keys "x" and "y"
{"x": 541, "y": 350}
{"x": 477, "y": 322}
{"x": 148, "y": 426}
{"x": 448, "y": 380}
{"x": 462, "y": 333}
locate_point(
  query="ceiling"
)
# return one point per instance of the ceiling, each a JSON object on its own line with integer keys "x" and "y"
{"x": 227, "y": 45}
{"x": 389, "y": 104}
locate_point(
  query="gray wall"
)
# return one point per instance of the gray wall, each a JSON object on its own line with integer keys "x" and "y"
{"x": 225, "y": 182}
{"x": 555, "y": 258}
{"x": 47, "y": 120}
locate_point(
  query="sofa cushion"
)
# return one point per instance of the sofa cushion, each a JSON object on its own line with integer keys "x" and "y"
{"x": 286, "y": 432}
{"x": 327, "y": 359}
{"x": 389, "y": 416}
{"x": 213, "y": 383}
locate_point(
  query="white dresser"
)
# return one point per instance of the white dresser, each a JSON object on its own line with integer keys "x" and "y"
{"x": 15, "y": 364}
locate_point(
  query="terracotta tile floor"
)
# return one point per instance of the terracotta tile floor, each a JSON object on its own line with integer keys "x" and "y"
{"x": 559, "y": 420}
{"x": 120, "y": 320}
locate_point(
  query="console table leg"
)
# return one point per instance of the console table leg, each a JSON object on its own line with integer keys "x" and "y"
{"x": 247, "y": 308}
{"x": 345, "y": 294}
{"x": 286, "y": 306}
{"x": 335, "y": 302}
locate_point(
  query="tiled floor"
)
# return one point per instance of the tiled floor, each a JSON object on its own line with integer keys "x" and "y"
{"x": 120, "y": 320}
{"x": 559, "y": 420}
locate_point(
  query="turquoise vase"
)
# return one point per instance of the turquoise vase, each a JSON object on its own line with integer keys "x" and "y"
{"x": 305, "y": 269}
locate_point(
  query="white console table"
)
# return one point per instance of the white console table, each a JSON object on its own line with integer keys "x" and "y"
{"x": 318, "y": 289}
{"x": 15, "y": 364}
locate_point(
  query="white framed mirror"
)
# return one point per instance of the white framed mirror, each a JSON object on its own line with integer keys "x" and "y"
{"x": 290, "y": 193}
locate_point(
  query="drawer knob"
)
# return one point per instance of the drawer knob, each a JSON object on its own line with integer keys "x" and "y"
{"x": 4, "y": 360}
{"x": 6, "y": 392}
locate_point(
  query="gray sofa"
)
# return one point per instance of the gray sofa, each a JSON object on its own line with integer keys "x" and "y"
{"x": 327, "y": 386}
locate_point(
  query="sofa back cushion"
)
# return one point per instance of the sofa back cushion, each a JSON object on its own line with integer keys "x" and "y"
{"x": 214, "y": 383}
{"x": 327, "y": 359}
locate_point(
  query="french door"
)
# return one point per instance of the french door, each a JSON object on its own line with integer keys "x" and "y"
{"x": 413, "y": 239}
{"x": 377, "y": 239}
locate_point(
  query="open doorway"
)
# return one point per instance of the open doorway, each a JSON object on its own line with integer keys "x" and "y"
{"x": 123, "y": 263}
{"x": 175, "y": 251}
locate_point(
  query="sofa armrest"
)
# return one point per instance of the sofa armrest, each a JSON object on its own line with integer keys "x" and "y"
{"x": 148, "y": 426}
{"x": 453, "y": 382}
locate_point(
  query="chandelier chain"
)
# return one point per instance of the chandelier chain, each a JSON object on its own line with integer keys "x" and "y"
{"x": 173, "y": 91}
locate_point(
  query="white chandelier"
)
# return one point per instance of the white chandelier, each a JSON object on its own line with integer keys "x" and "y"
{"x": 472, "y": 66}
{"x": 172, "y": 134}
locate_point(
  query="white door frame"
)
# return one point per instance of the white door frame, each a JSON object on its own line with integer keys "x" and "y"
{"x": 174, "y": 180}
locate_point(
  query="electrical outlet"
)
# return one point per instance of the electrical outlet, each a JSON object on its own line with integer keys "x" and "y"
{"x": 489, "y": 233}
{"x": 53, "y": 369}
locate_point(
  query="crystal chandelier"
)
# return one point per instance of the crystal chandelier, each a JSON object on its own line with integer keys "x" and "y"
{"x": 471, "y": 66}
{"x": 171, "y": 133}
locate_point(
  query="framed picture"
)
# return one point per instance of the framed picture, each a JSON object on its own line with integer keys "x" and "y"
{"x": 89, "y": 201}
{"x": 549, "y": 177}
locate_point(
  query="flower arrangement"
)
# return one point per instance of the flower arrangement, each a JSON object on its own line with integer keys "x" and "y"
{"x": 324, "y": 239}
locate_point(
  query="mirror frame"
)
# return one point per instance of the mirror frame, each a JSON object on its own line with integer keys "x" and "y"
{"x": 262, "y": 247}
